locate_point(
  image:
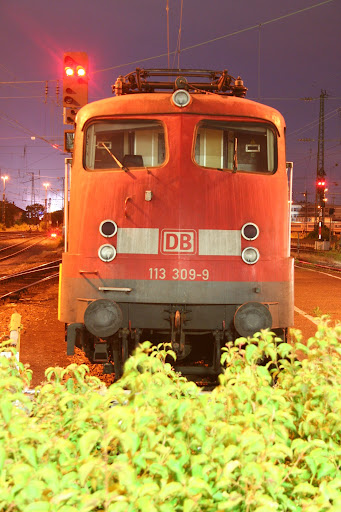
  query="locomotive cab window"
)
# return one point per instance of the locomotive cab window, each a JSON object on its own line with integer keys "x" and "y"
{"x": 114, "y": 143}
{"x": 248, "y": 147}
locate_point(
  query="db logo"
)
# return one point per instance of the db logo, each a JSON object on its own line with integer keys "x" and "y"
{"x": 184, "y": 241}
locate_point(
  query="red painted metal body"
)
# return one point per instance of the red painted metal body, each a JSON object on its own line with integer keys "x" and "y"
{"x": 186, "y": 202}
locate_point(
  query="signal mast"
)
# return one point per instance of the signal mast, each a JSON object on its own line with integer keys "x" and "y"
{"x": 320, "y": 173}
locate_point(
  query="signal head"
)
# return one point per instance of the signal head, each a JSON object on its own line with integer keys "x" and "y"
{"x": 75, "y": 84}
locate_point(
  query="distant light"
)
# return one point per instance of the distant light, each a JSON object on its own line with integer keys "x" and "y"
{"x": 33, "y": 138}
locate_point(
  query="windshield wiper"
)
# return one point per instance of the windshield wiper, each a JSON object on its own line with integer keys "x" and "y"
{"x": 121, "y": 166}
{"x": 235, "y": 158}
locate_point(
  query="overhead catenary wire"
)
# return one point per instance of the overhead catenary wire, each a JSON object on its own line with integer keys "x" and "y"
{"x": 209, "y": 41}
{"x": 267, "y": 22}
{"x": 312, "y": 124}
{"x": 16, "y": 124}
{"x": 178, "y": 43}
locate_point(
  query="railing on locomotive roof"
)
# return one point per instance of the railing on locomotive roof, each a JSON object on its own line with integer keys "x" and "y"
{"x": 218, "y": 82}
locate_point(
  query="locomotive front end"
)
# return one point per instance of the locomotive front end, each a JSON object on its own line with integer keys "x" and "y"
{"x": 178, "y": 222}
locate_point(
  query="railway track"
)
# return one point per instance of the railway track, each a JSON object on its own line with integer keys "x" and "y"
{"x": 6, "y": 235}
{"x": 321, "y": 266}
{"x": 13, "y": 249}
{"x": 12, "y": 285}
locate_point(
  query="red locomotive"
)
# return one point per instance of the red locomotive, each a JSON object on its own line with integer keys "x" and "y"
{"x": 178, "y": 226}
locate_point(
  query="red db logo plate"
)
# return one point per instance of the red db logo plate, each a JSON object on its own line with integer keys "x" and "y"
{"x": 179, "y": 241}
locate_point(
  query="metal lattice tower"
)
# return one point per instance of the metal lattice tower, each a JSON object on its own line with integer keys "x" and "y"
{"x": 320, "y": 172}
{"x": 320, "y": 151}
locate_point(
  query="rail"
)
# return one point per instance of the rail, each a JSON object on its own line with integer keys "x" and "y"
{"x": 27, "y": 276}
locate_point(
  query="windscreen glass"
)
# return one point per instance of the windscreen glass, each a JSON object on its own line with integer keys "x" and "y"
{"x": 114, "y": 143}
{"x": 249, "y": 147}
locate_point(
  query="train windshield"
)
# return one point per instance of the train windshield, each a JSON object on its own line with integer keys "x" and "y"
{"x": 243, "y": 146}
{"x": 117, "y": 143}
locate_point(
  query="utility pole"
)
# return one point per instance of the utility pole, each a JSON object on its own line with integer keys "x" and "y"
{"x": 46, "y": 185}
{"x": 4, "y": 179}
{"x": 305, "y": 194}
{"x": 320, "y": 171}
{"x": 33, "y": 198}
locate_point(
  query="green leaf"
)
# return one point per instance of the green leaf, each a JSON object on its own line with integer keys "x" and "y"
{"x": 149, "y": 489}
{"x": 21, "y": 473}
{"x": 249, "y": 352}
{"x": 300, "y": 445}
{"x": 311, "y": 463}
{"x": 176, "y": 467}
{"x": 67, "y": 508}
{"x": 232, "y": 503}
{"x": 6, "y": 408}
{"x": 171, "y": 489}
{"x": 198, "y": 485}
{"x": 231, "y": 452}
{"x": 326, "y": 469}
{"x": 284, "y": 349}
{"x": 305, "y": 488}
{"x": 230, "y": 467}
{"x": 117, "y": 507}
{"x": 130, "y": 442}
{"x": 304, "y": 348}
{"x": 2, "y": 457}
{"x": 86, "y": 469}
{"x": 88, "y": 441}
{"x": 29, "y": 454}
{"x": 190, "y": 505}
{"x": 264, "y": 373}
{"x": 38, "y": 506}
{"x": 158, "y": 469}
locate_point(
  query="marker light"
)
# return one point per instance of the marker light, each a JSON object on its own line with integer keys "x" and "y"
{"x": 250, "y": 231}
{"x": 250, "y": 255}
{"x": 108, "y": 228}
{"x": 181, "y": 98}
{"x": 107, "y": 252}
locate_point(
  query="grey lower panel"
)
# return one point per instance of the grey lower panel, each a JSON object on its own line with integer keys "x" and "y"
{"x": 148, "y": 301}
{"x": 180, "y": 292}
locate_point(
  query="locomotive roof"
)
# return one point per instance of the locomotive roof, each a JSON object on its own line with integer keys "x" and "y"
{"x": 156, "y": 104}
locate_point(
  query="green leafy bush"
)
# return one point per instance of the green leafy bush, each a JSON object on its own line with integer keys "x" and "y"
{"x": 267, "y": 438}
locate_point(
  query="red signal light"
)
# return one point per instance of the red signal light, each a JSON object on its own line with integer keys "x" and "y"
{"x": 81, "y": 71}
{"x": 69, "y": 71}
{"x": 321, "y": 183}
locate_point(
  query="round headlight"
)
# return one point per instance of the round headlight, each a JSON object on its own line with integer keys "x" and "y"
{"x": 250, "y": 231}
{"x": 107, "y": 252}
{"x": 250, "y": 255}
{"x": 108, "y": 228}
{"x": 181, "y": 98}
